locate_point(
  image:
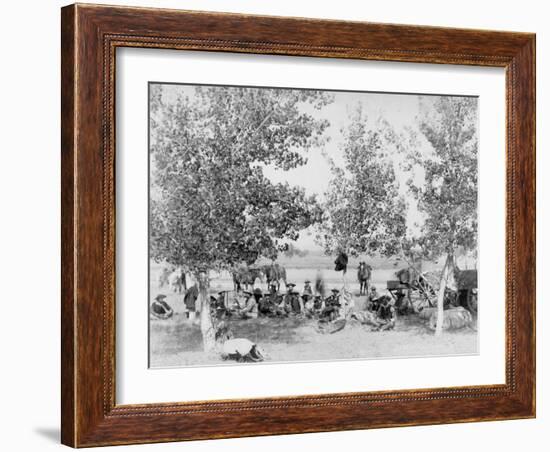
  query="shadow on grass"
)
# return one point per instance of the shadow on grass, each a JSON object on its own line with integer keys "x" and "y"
{"x": 176, "y": 336}
{"x": 278, "y": 330}
{"x": 179, "y": 335}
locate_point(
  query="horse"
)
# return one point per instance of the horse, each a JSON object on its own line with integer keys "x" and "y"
{"x": 177, "y": 281}
{"x": 364, "y": 273}
{"x": 273, "y": 275}
{"x": 244, "y": 277}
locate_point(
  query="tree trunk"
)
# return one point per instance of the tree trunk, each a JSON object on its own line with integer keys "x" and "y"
{"x": 184, "y": 281}
{"x": 203, "y": 306}
{"x": 344, "y": 278}
{"x": 441, "y": 293}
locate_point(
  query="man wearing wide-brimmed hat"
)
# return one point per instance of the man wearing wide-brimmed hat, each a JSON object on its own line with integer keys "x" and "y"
{"x": 307, "y": 293}
{"x": 294, "y": 300}
{"x": 160, "y": 309}
{"x": 332, "y": 305}
{"x": 250, "y": 308}
{"x": 307, "y": 298}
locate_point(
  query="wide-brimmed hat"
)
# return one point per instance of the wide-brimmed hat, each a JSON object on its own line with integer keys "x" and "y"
{"x": 160, "y": 297}
{"x": 258, "y": 291}
{"x": 290, "y": 284}
{"x": 307, "y": 281}
{"x": 334, "y": 290}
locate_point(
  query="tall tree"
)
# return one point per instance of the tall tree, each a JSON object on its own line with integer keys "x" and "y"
{"x": 212, "y": 206}
{"x": 363, "y": 211}
{"x": 448, "y": 195}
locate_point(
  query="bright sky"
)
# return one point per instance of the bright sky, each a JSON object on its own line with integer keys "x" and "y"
{"x": 400, "y": 110}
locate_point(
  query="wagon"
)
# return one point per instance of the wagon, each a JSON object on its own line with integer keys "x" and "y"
{"x": 417, "y": 290}
{"x": 413, "y": 290}
{"x": 413, "y": 295}
{"x": 466, "y": 284}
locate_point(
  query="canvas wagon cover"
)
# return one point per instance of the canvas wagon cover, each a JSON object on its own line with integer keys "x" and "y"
{"x": 466, "y": 279}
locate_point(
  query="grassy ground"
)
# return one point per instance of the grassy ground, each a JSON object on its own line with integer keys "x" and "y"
{"x": 177, "y": 342}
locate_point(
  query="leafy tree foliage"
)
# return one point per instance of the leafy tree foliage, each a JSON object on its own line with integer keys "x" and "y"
{"x": 363, "y": 212}
{"x": 292, "y": 251}
{"x": 212, "y": 207}
{"x": 448, "y": 196}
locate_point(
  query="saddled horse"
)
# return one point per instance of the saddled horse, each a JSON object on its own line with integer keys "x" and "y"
{"x": 364, "y": 273}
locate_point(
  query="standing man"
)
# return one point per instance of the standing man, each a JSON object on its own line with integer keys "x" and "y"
{"x": 307, "y": 297}
{"x": 190, "y": 300}
{"x": 307, "y": 288}
{"x": 319, "y": 284}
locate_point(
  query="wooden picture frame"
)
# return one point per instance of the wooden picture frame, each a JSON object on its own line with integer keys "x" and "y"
{"x": 90, "y": 35}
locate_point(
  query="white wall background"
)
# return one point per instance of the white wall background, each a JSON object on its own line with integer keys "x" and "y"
{"x": 29, "y": 185}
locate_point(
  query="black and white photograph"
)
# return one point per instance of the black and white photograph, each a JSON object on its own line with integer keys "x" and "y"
{"x": 292, "y": 225}
{"x": 268, "y": 226}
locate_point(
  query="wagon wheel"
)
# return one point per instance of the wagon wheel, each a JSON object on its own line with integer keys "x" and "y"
{"x": 419, "y": 301}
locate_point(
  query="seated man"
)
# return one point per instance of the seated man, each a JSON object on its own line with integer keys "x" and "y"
{"x": 160, "y": 309}
{"x": 332, "y": 306}
{"x": 386, "y": 314}
{"x": 250, "y": 309}
{"x": 373, "y": 295}
{"x": 373, "y": 300}
{"x": 292, "y": 300}
{"x": 267, "y": 304}
{"x": 258, "y": 294}
{"x": 280, "y": 307}
{"x": 219, "y": 305}
{"x": 318, "y": 304}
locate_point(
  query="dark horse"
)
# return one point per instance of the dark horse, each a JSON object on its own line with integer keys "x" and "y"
{"x": 273, "y": 275}
{"x": 244, "y": 277}
{"x": 364, "y": 272}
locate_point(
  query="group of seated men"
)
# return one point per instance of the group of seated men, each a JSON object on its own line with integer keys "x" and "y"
{"x": 249, "y": 305}
{"x": 291, "y": 303}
